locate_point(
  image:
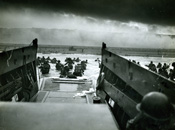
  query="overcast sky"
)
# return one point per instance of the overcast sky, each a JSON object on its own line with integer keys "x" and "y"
{"x": 85, "y": 27}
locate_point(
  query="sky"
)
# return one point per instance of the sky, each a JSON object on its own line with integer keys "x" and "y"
{"x": 89, "y": 23}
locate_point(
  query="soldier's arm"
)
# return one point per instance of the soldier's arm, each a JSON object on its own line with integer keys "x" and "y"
{"x": 130, "y": 125}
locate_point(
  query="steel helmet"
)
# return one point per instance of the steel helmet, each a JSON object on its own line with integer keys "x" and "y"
{"x": 173, "y": 64}
{"x": 156, "y": 105}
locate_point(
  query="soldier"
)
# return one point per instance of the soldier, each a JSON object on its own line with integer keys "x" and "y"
{"x": 48, "y": 58}
{"x": 173, "y": 64}
{"x": 43, "y": 59}
{"x": 69, "y": 61}
{"x": 159, "y": 65}
{"x": 45, "y": 68}
{"x": 155, "y": 113}
{"x": 133, "y": 61}
{"x": 78, "y": 70}
{"x": 58, "y": 65}
{"x": 165, "y": 66}
{"x": 77, "y": 60}
{"x": 54, "y": 60}
{"x": 152, "y": 66}
{"x": 64, "y": 71}
{"x": 163, "y": 72}
{"x": 38, "y": 61}
{"x": 83, "y": 65}
{"x": 173, "y": 72}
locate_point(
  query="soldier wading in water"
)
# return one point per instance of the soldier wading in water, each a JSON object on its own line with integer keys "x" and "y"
{"x": 155, "y": 113}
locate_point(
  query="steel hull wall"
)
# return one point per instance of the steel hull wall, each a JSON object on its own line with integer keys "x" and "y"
{"x": 124, "y": 83}
{"x": 18, "y": 73}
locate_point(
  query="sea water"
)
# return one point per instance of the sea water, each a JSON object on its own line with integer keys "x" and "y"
{"x": 93, "y": 69}
{"x": 91, "y": 72}
{"x": 146, "y": 60}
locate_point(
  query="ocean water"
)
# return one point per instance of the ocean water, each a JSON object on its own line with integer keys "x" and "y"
{"x": 146, "y": 60}
{"x": 91, "y": 72}
{"x": 93, "y": 69}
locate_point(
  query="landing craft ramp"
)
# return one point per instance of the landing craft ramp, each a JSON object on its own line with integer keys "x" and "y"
{"x": 55, "y": 116}
{"x": 65, "y": 90}
{"x": 56, "y": 108}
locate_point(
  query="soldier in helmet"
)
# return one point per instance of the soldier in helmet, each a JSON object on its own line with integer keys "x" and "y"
{"x": 152, "y": 66}
{"x": 172, "y": 72}
{"x": 155, "y": 113}
{"x": 45, "y": 68}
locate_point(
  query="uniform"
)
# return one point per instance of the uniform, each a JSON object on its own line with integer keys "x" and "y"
{"x": 155, "y": 113}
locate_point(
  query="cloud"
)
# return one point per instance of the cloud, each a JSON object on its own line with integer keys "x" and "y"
{"x": 52, "y": 27}
{"x": 31, "y": 18}
{"x": 144, "y": 11}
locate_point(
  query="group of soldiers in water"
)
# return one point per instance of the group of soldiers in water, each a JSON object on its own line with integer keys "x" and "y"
{"x": 63, "y": 68}
{"x": 163, "y": 69}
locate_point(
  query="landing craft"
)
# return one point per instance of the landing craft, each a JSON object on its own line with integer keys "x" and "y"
{"x": 120, "y": 86}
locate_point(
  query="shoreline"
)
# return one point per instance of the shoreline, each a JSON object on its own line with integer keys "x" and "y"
{"x": 65, "y": 49}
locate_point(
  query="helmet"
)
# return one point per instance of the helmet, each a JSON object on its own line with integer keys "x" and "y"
{"x": 156, "y": 105}
{"x": 173, "y": 64}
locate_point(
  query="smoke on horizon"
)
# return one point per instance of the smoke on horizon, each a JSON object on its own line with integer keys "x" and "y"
{"x": 58, "y": 27}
